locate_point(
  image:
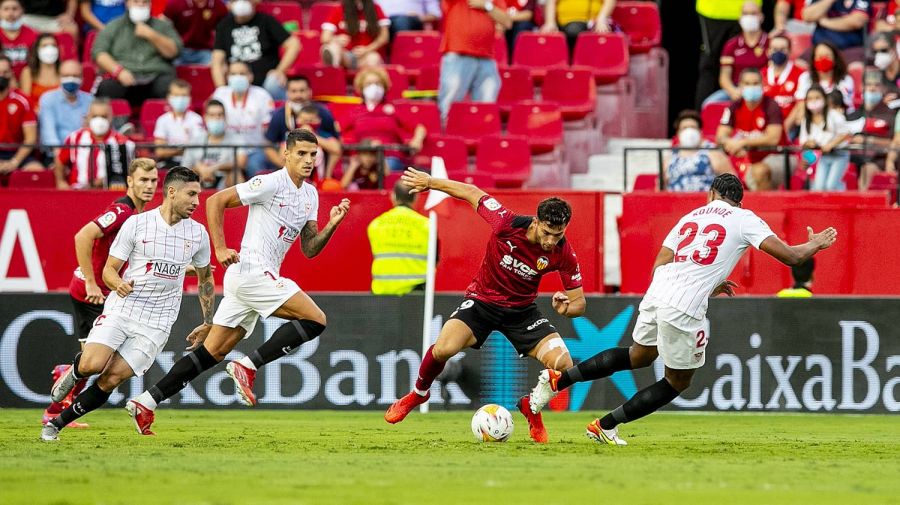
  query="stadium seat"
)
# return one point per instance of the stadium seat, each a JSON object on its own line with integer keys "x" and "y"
{"x": 68, "y": 48}
{"x": 646, "y": 182}
{"x": 88, "y": 45}
{"x": 540, "y": 52}
{"x": 473, "y": 120}
{"x": 202, "y": 85}
{"x": 390, "y": 180}
{"x": 88, "y": 76}
{"x": 451, "y": 149}
{"x": 851, "y": 177}
{"x": 32, "y": 180}
{"x": 515, "y": 87}
{"x": 884, "y": 181}
{"x": 800, "y": 42}
{"x": 501, "y": 51}
{"x": 325, "y": 80}
{"x": 342, "y": 111}
{"x": 572, "y": 89}
{"x": 482, "y": 180}
{"x": 540, "y": 123}
{"x": 606, "y": 54}
{"x": 429, "y": 78}
{"x": 289, "y": 14}
{"x": 399, "y": 82}
{"x": 711, "y": 115}
{"x": 855, "y": 71}
{"x": 310, "y": 51}
{"x": 415, "y": 50}
{"x": 506, "y": 158}
{"x": 120, "y": 108}
{"x": 150, "y": 112}
{"x": 421, "y": 111}
{"x": 318, "y": 13}
{"x": 641, "y": 22}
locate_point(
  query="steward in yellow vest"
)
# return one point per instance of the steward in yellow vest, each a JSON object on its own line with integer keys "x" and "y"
{"x": 802, "y": 274}
{"x": 399, "y": 240}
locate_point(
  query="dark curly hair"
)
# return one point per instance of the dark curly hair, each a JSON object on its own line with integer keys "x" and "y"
{"x": 728, "y": 186}
{"x": 554, "y": 211}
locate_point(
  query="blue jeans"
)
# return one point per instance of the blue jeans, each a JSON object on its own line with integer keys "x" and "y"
{"x": 257, "y": 162}
{"x": 274, "y": 88}
{"x": 405, "y": 24}
{"x": 830, "y": 172}
{"x": 190, "y": 56}
{"x": 461, "y": 75}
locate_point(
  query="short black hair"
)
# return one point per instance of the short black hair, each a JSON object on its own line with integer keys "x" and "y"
{"x": 180, "y": 175}
{"x": 688, "y": 114}
{"x": 803, "y": 272}
{"x": 212, "y": 102}
{"x": 299, "y": 135}
{"x": 728, "y": 186}
{"x": 554, "y": 211}
{"x": 402, "y": 194}
{"x": 298, "y": 78}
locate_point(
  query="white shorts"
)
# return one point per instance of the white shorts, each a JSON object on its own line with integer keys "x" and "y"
{"x": 680, "y": 339}
{"x": 137, "y": 343}
{"x": 251, "y": 295}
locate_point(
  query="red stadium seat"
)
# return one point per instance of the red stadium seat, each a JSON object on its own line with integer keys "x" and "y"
{"x": 482, "y": 180}
{"x": 32, "y": 180}
{"x": 390, "y": 180}
{"x": 451, "y": 149}
{"x": 310, "y": 51}
{"x": 429, "y": 78}
{"x": 572, "y": 89}
{"x": 515, "y": 87}
{"x": 399, "y": 82}
{"x": 540, "y": 52}
{"x": 319, "y": 13}
{"x": 851, "y": 177}
{"x": 711, "y": 115}
{"x": 150, "y": 112}
{"x": 202, "y": 85}
{"x": 325, "y": 80}
{"x": 539, "y": 122}
{"x": 415, "y": 50}
{"x": 640, "y": 21}
{"x": 88, "y": 45}
{"x": 88, "y": 76}
{"x": 506, "y": 158}
{"x": 884, "y": 181}
{"x": 855, "y": 71}
{"x": 289, "y": 14}
{"x": 473, "y": 120}
{"x": 420, "y": 111}
{"x": 646, "y": 182}
{"x": 120, "y": 107}
{"x": 68, "y": 48}
{"x": 501, "y": 51}
{"x": 800, "y": 42}
{"x": 604, "y": 53}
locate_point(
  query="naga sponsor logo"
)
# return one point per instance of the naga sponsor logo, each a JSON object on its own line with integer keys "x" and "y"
{"x": 538, "y": 323}
{"x": 289, "y": 235}
{"x": 519, "y": 267}
{"x": 163, "y": 270}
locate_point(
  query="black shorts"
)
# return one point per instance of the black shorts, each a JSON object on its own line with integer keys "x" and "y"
{"x": 85, "y": 314}
{"x": 524, "y": 327}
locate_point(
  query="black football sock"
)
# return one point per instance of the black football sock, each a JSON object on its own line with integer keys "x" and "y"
{"x": 75, "y": 364}
{"x": 183, "y": 371}
{"x": 91, "y": 399}
{"x": 645, "y": 401}
{"x": 596, "y": 367}
{"x": 286, "y": 338}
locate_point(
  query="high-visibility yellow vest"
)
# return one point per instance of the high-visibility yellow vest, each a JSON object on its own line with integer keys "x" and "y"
{"x": 399, "y": 240}
{"x": 721, "y": 9}
{"x": 794, "y": 293}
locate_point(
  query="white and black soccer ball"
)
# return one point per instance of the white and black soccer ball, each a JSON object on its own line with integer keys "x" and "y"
{"x": 492, "y": 423}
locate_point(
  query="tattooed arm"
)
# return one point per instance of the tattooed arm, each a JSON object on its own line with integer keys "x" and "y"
{"x": 207, "y": 293}
{"x": 312, "y": 241}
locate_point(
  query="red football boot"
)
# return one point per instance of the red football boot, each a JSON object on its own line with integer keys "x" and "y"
{"x": 243, "y": 382}
{"x": 402, "y": 407}
{"x": 142, "y": 417}
{"x": 535, "y": 424}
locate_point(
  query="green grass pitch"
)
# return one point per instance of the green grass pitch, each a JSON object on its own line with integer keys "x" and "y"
{"x": 290, "y": 457}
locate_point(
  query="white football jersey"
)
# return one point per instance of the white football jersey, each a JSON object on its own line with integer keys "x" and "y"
{"x": 157, "y": 256}
{"x": 708, "y": 242}
{"x": 278, "y": 212}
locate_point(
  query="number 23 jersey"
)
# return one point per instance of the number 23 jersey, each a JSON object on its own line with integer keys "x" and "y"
{"x": 707, "y": 242}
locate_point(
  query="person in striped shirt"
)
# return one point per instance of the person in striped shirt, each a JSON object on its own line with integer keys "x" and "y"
{"x": 695, "y": 260}
{"x": 95, "y": 155}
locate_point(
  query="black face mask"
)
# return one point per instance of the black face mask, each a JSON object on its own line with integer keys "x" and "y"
{"x": 4, "y": 83}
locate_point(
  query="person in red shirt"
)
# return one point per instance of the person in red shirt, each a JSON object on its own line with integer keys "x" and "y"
{"x": 15, "y": 38}
{"x": 19, "y": 125}
{"x": 195, "y": 21}
{"x": 376, "y": 119}
{"x": 789, "y": 17}
{"x": 781, "y": 77}
{"x": 467, "y": 65}
{"x": 92, "y": 242}
{"x": 521, "y": 250}
{"x": 355, "y": 35}
{"x": 83, "y": 164}
{"x": 754, "y": 121}
{"x": 747, "y": 50}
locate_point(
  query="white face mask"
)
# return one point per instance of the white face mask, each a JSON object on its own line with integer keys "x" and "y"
{"x": 749, "y": 23}
{"x": 99, "y": 126}
{"x": 242, "y": 8}
{"x": 373, "y": 92}
{"x": 883, "y": 60}
{"x": 139, "y": 14}
{"x": 48, "y": 54}
{"x": 689, "y": 137}
{"x": 239, "y": 83}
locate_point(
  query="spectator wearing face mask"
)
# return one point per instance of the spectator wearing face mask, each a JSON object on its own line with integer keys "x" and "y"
{"x": 177, "y": 126}
{"x": 781, "y": 76}
{"x": 754, "y": 121}
{"x": 843, "y": 23}
{"x": 827, "y": 69}
{"x": 95, "y": 155}
{"x": 15, "y": 38}
{"x": 287, "y": 118}
{"x": 695, "y": 161}
{"x": 63, "y": 110}
{"x": 42, "y": 73}
{"x": 884, "y": 57}
{"x": 18, "y": 126}
{"x": 873, "y": 124}
{"x": 825, "y": 131}
{"x": 747, "y": 50}
{"x": 217, "y": 166}
{"x": 376, "y": 119}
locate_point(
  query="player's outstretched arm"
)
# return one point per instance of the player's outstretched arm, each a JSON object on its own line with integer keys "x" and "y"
{"x": 206, "y": 290}
{"x": 792, "y": 255}
{"x": 312, "y": 241}
{"x": 420, "y": 181}
{"x": 570, "y": 304}
{"x": 112, "y": 279}
{"x": 215, "y": 217}
{"x": 84, "y": 248}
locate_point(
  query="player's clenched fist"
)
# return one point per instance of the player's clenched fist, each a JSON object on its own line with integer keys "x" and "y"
{"x": 125, "y": 288}
{"x": 227, "y": 257}
{"x": 560, "y": 303}
{"x": 418, "y": 181}
{"x": 339, "y": 211}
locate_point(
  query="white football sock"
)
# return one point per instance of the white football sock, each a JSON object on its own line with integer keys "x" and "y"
{"x": 247, "y": 363}
{"x": 146, "y": 400}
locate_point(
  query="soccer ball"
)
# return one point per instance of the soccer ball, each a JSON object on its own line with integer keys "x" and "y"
{"x": 492, "y": 423}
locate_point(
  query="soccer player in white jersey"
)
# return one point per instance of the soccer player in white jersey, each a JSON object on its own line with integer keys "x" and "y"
{"x": 283, "y": 207}
{"x": 693, "y": 264}
{"x": 138, "y": 316}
